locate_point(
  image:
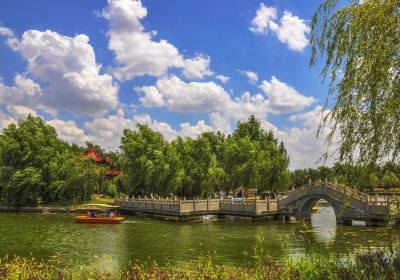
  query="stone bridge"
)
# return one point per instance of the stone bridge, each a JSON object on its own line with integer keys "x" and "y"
{"x": 348, "y": 203}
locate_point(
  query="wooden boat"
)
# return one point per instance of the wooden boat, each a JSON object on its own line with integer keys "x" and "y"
{"x": 314, "y": 209}
{"x": 100, "y": 214}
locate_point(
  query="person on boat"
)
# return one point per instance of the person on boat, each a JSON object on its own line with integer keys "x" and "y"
{"x": 112, "y": 214}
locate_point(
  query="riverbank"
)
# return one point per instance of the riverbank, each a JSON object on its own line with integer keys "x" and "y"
{"x": 64, "y": 210}
{"x": 56, "y": 208}
{"x": 318, "y": 266}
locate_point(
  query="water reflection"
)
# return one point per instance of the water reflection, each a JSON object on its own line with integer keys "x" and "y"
{"x": 324, "y": 222}
{"x": 108, "y": 247}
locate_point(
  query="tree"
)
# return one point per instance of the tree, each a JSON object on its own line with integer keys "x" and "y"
{"x": 36, "y": 167}
{"x": 360, "y": 46}
{"x": 390, "y": 180}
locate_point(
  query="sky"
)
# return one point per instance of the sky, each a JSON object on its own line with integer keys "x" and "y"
{"x": 93, "y": 68}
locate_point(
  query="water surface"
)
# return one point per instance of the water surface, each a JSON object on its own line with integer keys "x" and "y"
{"x": 56, "y": 237}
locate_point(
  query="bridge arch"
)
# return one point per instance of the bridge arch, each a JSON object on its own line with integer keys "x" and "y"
{"x": 307, "y": 203}
{"x": 348, "y": 204}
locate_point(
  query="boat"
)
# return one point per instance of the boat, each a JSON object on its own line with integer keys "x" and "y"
{"x": 100, "y": 214}
{"x": 314, "y": 209}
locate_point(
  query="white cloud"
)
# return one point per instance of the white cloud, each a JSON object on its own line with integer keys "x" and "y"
{"x": 283, "y": 98}
{"x": 251, "y": 76}
{"x": 264, "y": 19}
{"x": 197, "y": 67}
{"x": 291, "y": 30}
{"x": 191, "y": 97}
{"x": 222, "y": 78}
{"x": 245, "y": 105}
{"x": 68, "y": 131}
{"x": 136, "y": 51}
{"x": 68, "y": 65}
{"x": 202, "y": 97}
{"x": 303, "y": 146}
{"x": 12, "y": 40}
{"x": 220, "y": 123}
{"x": 107, "y": 131}
{"x": 24, "y": 92}
{"x": 20, "y": 112}
{"x": 5, "y": 120}
{"x": 162, "y": 127}
{"x": 188, "y": 130}
{"x": 151, "y": 97}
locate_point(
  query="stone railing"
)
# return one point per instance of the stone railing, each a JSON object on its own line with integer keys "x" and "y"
{"x": 206, "y": 206}
{"x": 351, "y": 192}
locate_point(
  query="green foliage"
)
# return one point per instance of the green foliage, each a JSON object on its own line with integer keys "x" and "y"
{"x": 250, "y": 157}
{"x": 112, "y": 190}
{"x": 319, "y": 265}
{"x": 390, "y": 180}
{"x": 360, "y": 46}
{"x": 364, "y": 178}
{"x": 36, "y": 167}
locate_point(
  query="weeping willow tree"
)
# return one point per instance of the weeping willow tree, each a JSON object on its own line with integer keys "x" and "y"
{"x": 359, "y": 45}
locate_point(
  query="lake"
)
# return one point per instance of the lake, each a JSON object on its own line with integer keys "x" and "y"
{"x": 56, "y": 237}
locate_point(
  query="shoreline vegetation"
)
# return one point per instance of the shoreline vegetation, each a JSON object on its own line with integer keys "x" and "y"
{"x": 37, "y": 168}
{"x": 319, "y": 265}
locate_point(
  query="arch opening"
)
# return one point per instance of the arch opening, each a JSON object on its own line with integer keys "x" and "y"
{"x": 323, "y": 220}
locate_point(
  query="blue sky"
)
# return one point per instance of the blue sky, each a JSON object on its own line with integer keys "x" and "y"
{"x": 93, "y": 68}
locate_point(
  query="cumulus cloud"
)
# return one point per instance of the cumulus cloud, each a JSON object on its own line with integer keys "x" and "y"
{"x": 24, "y": 92}
{"x": 20, "y": 112}
{"x": 108, "y": 130}
{"x": 180, "y": 96}
{"x": 291, "y": 29}
{"x": 188, "y": 130}
{"x": 136, "y": 51}
{"x": 202, "y": 97}
{"x": 68, "y": 65}
{"x": 264, "y": 19}
{"x": 70, "y": 132}
{"x": 283, "y": 98}
{"x": 197, "y": 67}
{"x": 151, "y": 97}
{"x": 220, "y": 122}
{"x": 222, "y": 78}
{"x": 251, "y": 76}
{"x": 240, "y": 108}
{"x": 5, "y": 120}
{"x": 303, "y": 146}
{"x": 12, "y": 40}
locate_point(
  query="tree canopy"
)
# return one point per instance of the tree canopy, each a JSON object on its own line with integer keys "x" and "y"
{"x": 359, "y": 44}
{"x": 37, "y": 167}
{"x": 251, "y": 157}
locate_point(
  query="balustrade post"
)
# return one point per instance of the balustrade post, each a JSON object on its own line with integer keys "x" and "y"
{"x": 309, "y": 182}
{"x": 376, "y": 198}
{"x": 277, "y": 201}
{"x": 208, "y": 203}
{"x": 267, "y": 201}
